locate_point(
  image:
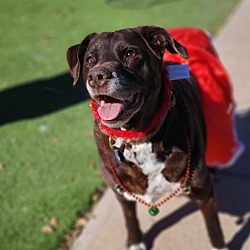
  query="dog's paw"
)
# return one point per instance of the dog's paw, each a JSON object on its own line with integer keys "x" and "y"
{"x": 140, "y": 246}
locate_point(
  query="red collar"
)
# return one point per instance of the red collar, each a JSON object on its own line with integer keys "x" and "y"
{"x": 148, "y": 132}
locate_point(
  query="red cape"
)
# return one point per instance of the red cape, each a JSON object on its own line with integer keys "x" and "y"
{"x": 223, "y": 147}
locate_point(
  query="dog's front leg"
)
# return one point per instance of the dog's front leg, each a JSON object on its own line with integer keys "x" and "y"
{"x": 209, "y": 210}
{"x": 134, "y": 240}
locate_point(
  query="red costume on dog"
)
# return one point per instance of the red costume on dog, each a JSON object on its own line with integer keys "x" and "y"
{"x": 223, "y": 147}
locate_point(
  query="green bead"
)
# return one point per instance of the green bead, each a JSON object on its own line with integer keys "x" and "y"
{"x": 119, "y": 189}
{"x": 187, "y": 190}
{"x": 153, "y": 211}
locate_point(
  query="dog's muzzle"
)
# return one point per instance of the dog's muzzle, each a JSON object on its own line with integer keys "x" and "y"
{"x": 117, "y": 102}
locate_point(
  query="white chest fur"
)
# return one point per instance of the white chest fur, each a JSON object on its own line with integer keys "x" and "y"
{"x": 143, "y": 156}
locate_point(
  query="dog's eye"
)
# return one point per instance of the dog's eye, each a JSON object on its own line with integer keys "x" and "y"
{"x": 90, "y": 60}
{"x": 131, "y": 54}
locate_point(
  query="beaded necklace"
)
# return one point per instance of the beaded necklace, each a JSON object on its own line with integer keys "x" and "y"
{"x": 153, "y": 208}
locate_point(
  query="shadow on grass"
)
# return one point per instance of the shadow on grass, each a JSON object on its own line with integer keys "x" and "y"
{"x": 39, "y": 98}
{"x": 232, "y": 188}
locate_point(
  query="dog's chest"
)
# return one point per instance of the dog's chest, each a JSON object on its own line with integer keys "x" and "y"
{"x": 143, "y": 156}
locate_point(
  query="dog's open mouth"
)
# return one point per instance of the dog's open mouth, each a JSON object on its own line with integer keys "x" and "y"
{"x": 112, "y": 109}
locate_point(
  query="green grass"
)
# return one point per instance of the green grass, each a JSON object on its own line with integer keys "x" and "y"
{"x": 47, "y": 159}
{"x": 47, "y": 174}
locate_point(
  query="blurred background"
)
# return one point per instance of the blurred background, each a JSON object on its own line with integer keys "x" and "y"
{"x": 48, "y": 160}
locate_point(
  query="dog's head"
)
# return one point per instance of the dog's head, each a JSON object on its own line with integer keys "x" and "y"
{"x": 123, "y": 72}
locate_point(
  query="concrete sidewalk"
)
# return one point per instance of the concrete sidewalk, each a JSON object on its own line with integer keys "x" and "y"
{"x": 179, "y": 224}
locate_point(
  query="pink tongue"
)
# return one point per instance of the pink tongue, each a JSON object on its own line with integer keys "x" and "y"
{"x": 109, "y": 110}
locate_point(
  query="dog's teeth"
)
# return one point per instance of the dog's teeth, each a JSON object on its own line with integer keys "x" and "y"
{"x": 123, "y": 129}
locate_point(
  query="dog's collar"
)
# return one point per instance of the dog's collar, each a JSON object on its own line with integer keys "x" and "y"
{"x": 134, "y": 137}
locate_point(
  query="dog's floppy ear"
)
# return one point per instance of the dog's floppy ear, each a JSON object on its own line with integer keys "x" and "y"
{"x": 75, "y": 55}
{"x": 159, "y": 39}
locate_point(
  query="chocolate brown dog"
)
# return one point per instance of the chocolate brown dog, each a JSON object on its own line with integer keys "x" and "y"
{"x": 150, "y": 131}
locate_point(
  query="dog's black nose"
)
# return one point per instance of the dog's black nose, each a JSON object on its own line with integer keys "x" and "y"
{"x": 98, "y": 77}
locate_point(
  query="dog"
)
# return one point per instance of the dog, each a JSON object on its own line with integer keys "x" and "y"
{"x": 149, "y": 129}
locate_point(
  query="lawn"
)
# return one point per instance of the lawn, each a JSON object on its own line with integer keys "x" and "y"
{"x": 48, "y": 160}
